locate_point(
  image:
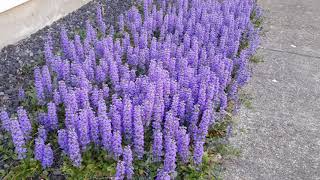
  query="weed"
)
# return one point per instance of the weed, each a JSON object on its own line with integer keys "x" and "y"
{"x": 256, "y": 59}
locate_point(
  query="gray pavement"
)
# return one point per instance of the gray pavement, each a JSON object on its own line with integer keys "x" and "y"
{"x": 280, "y": 136}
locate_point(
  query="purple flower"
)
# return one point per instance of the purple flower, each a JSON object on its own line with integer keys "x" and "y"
{"x": 91, "y": 33}
{"x": 93, "y": 126}
{"x": 21, "y": 94}
{"x": 113, "y": 72}
{"x": 121, "y": 23}
{"x": 43, "y": 119}
{"x": 47, "y": 159}
{"x": 115, "y": 118}
{"x": 105, "y": 132}
{"x": 127, "y": 158}
{"x": 39, "y": 85}
{"x": 5, "y": 120}
{"x": 204, "y": 124}
{"x": 162, "y": 175}
{"x": 63, "y": 140}
{"x": 183, "y": 141}
{"x": 198, "y": 152}
{"x": 48, "y": 54}
{"x": 79, "y": 47}
{"x": 171, "y": 125}
{"x": 138, "y": 135}
{"x": 52, "y": 116}
{"x": 46, "y": 79}
{"x": 95, "y": 97}
{"x": 106, "y": 91}
{"x": 74, "y": 148}
{"x": 64, "y": 40}
{"x": 175, "y": 105}
{"x": 120, "y": 170}
{"x": 70, "y": 120}
{"x": 116, "y": 144}
{"x": 24, "y": 122}
{"x": 56, "y": 97}
{"x": 170, "y": 155}
{"x": 83, "y": 129}
{"x": 194, "y": 121}
{"x": 39, "y": 148}
{"x": 18, "y": 139}
{"x": 100, "y": 74}
{"x": 100, "y": 21}
{"x": 42, "y": 133}
{"x": 127, "y": 119}
{"x": 63, "y": 91}
{"x": 71, "y": 101}
{"x": 157, "y": 146}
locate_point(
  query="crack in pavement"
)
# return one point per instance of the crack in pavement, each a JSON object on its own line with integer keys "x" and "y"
{"x": 290, "y": 52}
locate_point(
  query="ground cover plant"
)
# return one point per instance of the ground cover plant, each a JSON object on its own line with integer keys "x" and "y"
{"x": 142, "y": 99}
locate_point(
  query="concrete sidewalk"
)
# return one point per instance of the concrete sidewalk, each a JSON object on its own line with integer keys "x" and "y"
{"x": 23, "y": 20}
{"x": 280, "y": 136}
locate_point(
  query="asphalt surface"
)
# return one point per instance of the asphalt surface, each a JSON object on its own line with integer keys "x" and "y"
{"x": 280, "y": 135}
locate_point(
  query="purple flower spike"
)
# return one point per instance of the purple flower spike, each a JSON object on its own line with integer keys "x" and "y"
{"x": 93, "y": 126}
{"x": 24, "y": 122}
{"x": 120, "y": 170}
{"x": 46, "y": 80}
{"x": 42, "y": 133}
{"x": 100, "y": 22}
{"x": 39, "y": 148}
{"x": 5, "y": 120}
{"x": 116, "y": 144}
{"x": 198, "y": 152}
{"x": 157, "y": 147}
{"x": 138, "y": 136}
{"x": 83, "y": 129}
{"x": 47, "y": 159}
{"x": 21, "y": 94}
{"x": 63, "y": 140}
{"x": 39, "y": 85}
{"x": 127, "y": 158}
{"x": 170, "y": 156}
{"x": 105, "y": 132}
{"x": 52, "y": 116}
{"x": 127, "y": 119}
{"x": 183, "y": 141}
{"x": 18, "y": 139}
{"x": 74, "y": 148}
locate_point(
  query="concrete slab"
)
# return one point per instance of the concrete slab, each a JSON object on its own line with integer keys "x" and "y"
{"x": 280, "y": 137}
{"x": 293, "y": 22}
{"x": 23, "y": 20}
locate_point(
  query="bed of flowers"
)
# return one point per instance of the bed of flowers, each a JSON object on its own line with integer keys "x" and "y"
{"x": 139, "y": 100}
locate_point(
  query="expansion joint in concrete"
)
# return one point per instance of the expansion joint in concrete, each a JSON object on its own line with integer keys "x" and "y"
{"x": 288, "y": 52}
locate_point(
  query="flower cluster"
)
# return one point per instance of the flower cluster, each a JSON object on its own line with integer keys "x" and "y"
{"x": 171, "y": 69}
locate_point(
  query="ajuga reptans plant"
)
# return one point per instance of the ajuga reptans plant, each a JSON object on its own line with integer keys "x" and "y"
{"x": 148, "y": 88}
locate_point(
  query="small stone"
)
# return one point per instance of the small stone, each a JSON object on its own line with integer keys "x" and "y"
{"x": 1, "y": 93}
{"x": 218, "y": 156}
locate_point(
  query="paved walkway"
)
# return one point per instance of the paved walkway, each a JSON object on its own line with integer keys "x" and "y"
{"x": 280, "y": 137}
